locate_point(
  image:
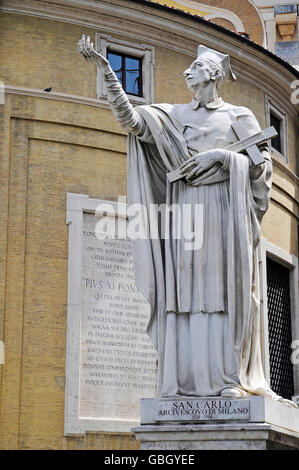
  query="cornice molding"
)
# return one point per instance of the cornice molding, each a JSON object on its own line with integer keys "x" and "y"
{"x": 284, "y": 167}
{"x": 102, "y": 103}
{"x": 55, "y": 95}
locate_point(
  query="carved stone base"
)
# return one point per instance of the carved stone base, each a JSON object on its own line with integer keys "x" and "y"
{"x": 249, "y": 423}
{"x": 230, "y": 436}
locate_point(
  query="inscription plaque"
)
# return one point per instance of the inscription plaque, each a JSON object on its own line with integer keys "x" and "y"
{"x": 111, "y": 363}
{"x": 202, "y": 410}
{"x": 117, "y": 363}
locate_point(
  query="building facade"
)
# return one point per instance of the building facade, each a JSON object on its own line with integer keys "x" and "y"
{"x": 281, "y": 25}
{"x": 273, "y": 24}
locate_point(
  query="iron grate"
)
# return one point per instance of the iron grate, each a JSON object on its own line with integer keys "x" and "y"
{"x": 280, "y": 329}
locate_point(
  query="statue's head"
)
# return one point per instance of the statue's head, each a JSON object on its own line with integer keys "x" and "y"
{"x": 209, "y": 66}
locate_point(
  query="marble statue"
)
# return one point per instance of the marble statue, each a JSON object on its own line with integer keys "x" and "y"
{"x": 205, "y": 312}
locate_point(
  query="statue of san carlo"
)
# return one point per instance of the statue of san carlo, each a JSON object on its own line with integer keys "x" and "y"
{"x": 205, "y": 303}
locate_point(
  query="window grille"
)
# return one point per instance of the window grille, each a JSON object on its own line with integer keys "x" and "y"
{"x": 279, "y": 326}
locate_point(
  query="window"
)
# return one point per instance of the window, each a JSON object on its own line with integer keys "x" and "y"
{"x": 134, "y": 66}
{"x": 278, "y": 119}
{"x": 276, "y": 122}
{"x": 280, "y": 329}
{"x": 128, "y": 70}
{"x": 279, "y": 318}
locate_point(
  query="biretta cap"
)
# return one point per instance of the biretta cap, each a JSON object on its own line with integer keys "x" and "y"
{"x": 221, "y": 60}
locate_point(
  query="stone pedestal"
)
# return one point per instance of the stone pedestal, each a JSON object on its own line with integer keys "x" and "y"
{"x": 250, "y": 423}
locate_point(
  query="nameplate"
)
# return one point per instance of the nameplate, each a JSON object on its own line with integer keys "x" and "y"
{"x": 202, "y": 410}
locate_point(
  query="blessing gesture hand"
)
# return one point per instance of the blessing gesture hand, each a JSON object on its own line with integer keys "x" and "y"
{"x": 86, "y": 49}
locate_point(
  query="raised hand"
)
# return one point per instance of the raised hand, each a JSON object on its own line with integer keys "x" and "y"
{"x": 86, "y": 49}
{"x": 129, "y": 119}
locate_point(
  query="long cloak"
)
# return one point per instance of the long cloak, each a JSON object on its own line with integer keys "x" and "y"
{"x": 148, "y": 164}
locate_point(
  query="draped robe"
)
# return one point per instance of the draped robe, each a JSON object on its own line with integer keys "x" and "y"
{"x": 205, "y": 311}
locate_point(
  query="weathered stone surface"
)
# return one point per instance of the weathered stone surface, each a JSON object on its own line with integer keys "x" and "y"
{"x": 111, "y": 361}
{"x": 251, "y": 409}
{"x": 249, "y": 436}
{"x": 270, "y": 424}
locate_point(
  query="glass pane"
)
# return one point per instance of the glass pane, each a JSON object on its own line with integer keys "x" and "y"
{"x": 115, "y": 62}
{"x": 276, "y": 141}
{"x": 132, "y": 76}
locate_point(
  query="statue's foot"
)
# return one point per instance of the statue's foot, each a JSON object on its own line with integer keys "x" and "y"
{"x": 231, "y": 393}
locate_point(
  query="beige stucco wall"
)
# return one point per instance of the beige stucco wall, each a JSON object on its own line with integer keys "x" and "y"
{"x": 50, "y": 147}
{"x": 245, "y": 10}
